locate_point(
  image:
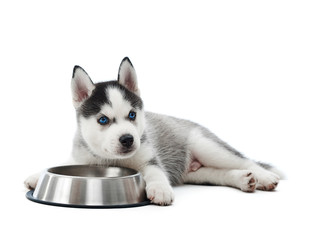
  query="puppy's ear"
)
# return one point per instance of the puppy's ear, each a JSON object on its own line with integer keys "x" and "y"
{"x": 81, "y": 86}
{"x": 127, "y": 76}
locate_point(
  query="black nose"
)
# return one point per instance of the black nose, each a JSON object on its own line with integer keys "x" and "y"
{"x": 126, "y": 140}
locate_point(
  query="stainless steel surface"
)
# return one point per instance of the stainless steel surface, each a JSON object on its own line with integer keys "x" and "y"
{"x": 90, "y": 185}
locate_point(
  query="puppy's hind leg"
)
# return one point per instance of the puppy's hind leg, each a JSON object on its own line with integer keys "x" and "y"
{"x": 242, "y": 179}
{"x": 210, "y": 151}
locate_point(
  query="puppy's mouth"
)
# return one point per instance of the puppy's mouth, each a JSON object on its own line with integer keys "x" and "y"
{"x": 120, "y": 153}
{"x": 124, "y": 152}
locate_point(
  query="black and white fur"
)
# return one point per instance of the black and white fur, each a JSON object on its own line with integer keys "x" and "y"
{"x": 166, "y": 150}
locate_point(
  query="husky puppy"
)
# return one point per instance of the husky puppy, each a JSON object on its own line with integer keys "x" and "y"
{"x": 114, "y": 130}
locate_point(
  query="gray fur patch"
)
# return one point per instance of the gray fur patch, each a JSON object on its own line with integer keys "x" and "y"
{"x": 265, "y": 165}
{"x": 143, "y": 138}
{"x": 166, "y": 137}
{"x": 153, "y": 161}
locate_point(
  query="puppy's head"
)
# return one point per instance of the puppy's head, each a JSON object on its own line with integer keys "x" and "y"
{"x": 110, "y": 114}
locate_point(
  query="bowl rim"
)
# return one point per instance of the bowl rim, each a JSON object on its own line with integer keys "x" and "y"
{"x": 29, "y": 196}
{"x": 47, "y": 172}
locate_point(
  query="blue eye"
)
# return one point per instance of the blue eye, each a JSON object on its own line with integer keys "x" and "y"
{"x": 103, "y": 120}
{"x": 132, "y": 115}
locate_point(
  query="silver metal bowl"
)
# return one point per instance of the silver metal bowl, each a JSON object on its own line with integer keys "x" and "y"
{"x": 90, "y": 186}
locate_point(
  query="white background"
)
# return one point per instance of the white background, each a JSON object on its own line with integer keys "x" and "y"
{"x": 247, "y": 70}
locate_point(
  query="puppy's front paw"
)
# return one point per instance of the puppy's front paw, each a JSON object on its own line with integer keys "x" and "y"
{"x": 31, "y": 181}
{"x": 160, "y": 193}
